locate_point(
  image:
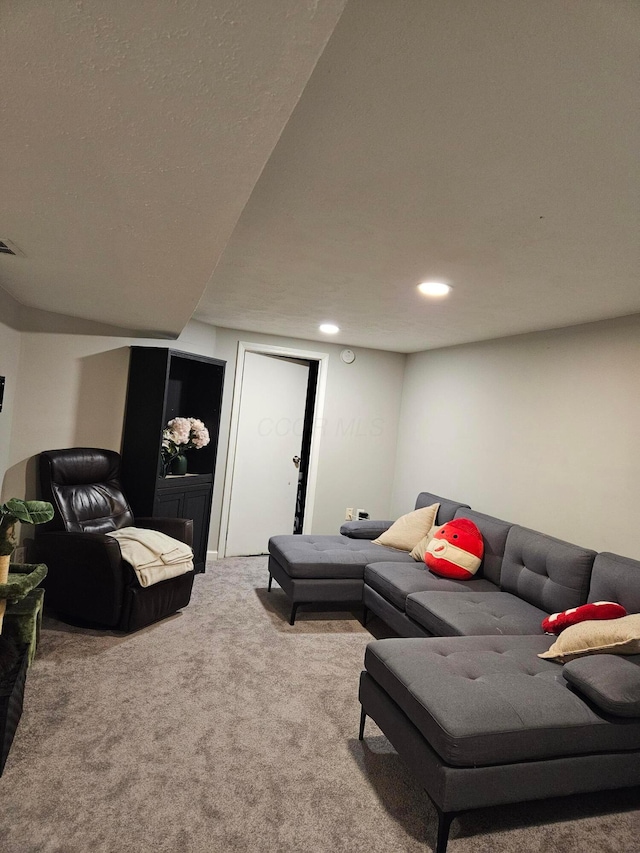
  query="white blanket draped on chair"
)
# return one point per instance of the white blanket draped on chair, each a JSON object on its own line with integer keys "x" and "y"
{"x": 153, "y": 555}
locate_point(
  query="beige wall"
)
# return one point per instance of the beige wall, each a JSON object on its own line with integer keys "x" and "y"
{"x": 541, "y": 429}
{"x": 69, "y": 390}
{"x": 358, "y": 430}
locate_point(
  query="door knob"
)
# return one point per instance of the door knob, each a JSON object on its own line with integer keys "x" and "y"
{"x": 296, "y": 461}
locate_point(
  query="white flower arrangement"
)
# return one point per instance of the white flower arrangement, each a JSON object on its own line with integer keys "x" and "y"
{"x": 182, "y": 434}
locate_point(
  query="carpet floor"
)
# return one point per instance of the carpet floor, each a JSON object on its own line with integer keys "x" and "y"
{"x": 223, "y": 729}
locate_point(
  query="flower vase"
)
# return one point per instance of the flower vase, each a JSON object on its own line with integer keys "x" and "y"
{"x": 179, "y": 465}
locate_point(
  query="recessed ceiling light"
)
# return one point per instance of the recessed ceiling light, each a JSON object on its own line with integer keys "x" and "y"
{"x": 329, "y": 329}
{"x": 434, "y": 288}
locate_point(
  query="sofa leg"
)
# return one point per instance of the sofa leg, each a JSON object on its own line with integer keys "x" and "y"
{"x": 292, "y": 617}
{"x": 363, "y": 718}
{"x": 365, "y": 614}
{"x": 444, "y": 825}
{"x": 270, "y": 582}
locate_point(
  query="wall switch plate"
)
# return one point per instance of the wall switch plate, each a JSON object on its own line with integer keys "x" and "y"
{"x": 349, "y": 514}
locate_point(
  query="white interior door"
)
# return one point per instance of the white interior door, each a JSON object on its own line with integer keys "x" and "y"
{"x": 270, "y": 427}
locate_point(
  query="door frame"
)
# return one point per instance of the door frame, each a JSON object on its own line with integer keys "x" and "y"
{"x": 316, "y": 433}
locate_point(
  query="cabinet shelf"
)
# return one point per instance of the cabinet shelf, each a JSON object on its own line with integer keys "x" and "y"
{"x": 165, "y": 384}
{"x": 179, "y": 476}
{"x": 171, "y": 479}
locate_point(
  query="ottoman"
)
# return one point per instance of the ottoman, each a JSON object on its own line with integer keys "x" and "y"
{"x": 326, "y": 569}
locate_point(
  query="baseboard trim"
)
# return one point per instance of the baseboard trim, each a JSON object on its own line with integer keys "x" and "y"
{"x": 212, "y": 555}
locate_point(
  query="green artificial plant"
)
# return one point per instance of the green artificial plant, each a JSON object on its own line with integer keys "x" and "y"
{"x": 15, "y": 510}
{"x": 11, "y": 512}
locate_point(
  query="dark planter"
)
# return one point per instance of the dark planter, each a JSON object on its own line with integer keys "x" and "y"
{"x": 179, "y": 465}
{"x": 11, "y": 695}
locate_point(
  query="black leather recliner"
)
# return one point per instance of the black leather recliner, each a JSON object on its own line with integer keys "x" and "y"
{"x": 88, "y": 581}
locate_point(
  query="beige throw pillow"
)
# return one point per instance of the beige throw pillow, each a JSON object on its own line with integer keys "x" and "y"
{"x": 604, "y": 636}
{"x": 405, "y": 533}
{"x": 421, "y": 548}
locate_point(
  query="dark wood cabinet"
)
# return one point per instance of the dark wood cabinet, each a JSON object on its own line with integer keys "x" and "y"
{"x": 187, "y": 497}
{"x": 165, "y": 384}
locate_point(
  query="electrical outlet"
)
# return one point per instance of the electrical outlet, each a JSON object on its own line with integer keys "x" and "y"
{"x": 348, "y": 514}
{"x": 361, "y": 514}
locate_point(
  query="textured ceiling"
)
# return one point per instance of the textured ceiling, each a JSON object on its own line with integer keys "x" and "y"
{"x": 494, "y": 145}
{"x": 163, "y": 157}
{"x": 133, "y": 134}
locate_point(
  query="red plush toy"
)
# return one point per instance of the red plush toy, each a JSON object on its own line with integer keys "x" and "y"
{"x": 456, "y": 550}
{"x": 586, "y": 612}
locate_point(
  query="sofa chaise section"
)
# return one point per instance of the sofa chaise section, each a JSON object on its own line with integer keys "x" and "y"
{"x": 323, "y": 569}
{"x": 569, "y": 747}
{"x": 329, "y": 570}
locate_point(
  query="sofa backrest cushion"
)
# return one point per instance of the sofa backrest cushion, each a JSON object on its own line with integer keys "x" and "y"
{"x": 549, "y": 573}
{"x": 447, "y": 509}
{"x": 494, "y": 532}
{"x": 616, "y": 578}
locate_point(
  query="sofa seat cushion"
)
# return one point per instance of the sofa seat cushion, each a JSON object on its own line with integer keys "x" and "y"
{"x": 466, "y": 614}
{"x": 480, "y": 701}
{"x": 329, "y": 556}
{"x": 395, "y": 581}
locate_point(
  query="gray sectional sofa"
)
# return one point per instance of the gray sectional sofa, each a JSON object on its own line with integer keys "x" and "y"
{"x": 462, "y": 693}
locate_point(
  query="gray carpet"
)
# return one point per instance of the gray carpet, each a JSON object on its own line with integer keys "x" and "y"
{"x": 225, "y": 729}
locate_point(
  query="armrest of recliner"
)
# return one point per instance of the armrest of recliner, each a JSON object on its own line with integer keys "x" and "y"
{"x": 366, "y": 529}
{"x": 178, "y": 528}
{"x": 86, "y": 575}
{"x": 102, "y": 552}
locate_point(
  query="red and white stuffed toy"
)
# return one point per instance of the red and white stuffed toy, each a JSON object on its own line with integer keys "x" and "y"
{"x": 456, "y": 550}
{"x": 557, "y": 622}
